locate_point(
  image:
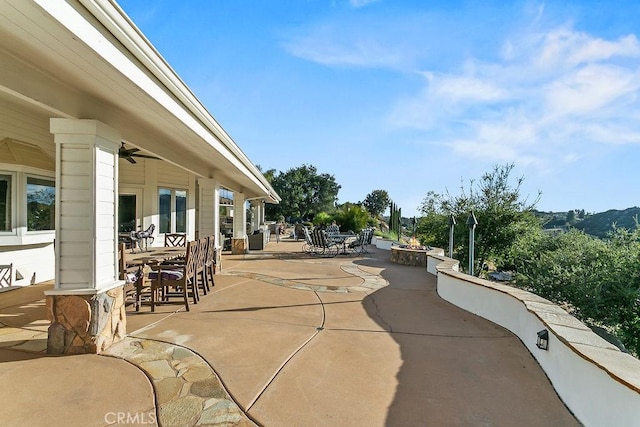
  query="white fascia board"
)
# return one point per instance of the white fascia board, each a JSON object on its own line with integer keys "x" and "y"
{"x": 121, "y": 27}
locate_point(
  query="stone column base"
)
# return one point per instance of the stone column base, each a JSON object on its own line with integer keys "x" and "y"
{"x": 85, "y": 323}
{"x": 239, "y": 246}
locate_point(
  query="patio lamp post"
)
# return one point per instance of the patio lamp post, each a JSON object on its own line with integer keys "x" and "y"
{"x": 452, "y": 224}
{"x": 471, "y": 222}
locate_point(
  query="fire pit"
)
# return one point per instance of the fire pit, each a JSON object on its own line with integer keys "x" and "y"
{"x": 412, "y": 253}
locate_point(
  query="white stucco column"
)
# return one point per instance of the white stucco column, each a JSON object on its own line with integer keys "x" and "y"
{"x": 239, "y": 240}
{"x": 87, "y": 289}
{"x": 206, "y": 208}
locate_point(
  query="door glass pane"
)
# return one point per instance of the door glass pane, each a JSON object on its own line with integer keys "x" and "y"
{"x": 164, "y": 209}
{"x": 41, "y": 198}
{"x": 126, "y": 213}
{"x": 181, "y": 211}
{"x": 5, "y": 202}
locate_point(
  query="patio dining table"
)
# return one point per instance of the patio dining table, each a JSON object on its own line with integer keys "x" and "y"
{"x": 341, "y": 239}
{"x": 154, "y": 255}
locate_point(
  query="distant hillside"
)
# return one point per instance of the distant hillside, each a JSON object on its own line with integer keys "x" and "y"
{"x": 600, "y": 224}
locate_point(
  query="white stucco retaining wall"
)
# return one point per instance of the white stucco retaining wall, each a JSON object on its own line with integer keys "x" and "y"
{"x": 598, "y": 383}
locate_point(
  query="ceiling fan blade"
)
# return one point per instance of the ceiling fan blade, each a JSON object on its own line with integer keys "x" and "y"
{"x": 145, "y": 156}
{"x": 130, "y": 159}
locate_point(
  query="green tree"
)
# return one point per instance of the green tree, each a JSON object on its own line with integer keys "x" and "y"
{"x": 501, "y": 212}
{"x": 304, "y": 193}
{"x": 352, "y": 217}
{"x": 597, "y": 280}
{"x": 376, "y": 202}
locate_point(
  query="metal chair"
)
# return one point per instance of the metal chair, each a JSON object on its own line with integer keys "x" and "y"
{"x": 324, "y": 246}
{"x": 359, "y": 245}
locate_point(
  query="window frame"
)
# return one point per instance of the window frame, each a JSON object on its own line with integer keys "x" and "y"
{"x": 173, "y": 214}
{"x": 26, "y": 203}
{"x": 13, "y": 176}
{"x": 19, "y": 235}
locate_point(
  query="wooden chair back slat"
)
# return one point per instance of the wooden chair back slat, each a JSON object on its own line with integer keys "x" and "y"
{"x": 6, "y": 275}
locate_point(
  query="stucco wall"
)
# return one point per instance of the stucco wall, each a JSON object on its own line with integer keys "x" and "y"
{"x": 598, "y": 383}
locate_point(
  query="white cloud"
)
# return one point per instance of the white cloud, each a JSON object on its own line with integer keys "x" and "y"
{"x": 565, "y": 47}
{"x": 464, "y": 88}
{"x": 320, "y": 45}
{"x": 553, "y": 94}
{"x": 361, "y": 3}
{"x": 588, "y": 90}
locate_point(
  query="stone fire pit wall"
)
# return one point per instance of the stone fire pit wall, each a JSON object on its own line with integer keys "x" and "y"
{"x": 406, "y": 256}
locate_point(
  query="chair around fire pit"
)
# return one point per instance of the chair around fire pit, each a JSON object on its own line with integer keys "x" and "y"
{"x": 359, "y": 245}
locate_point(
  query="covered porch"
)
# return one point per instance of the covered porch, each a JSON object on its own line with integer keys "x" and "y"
{"x": 98, "y": 136}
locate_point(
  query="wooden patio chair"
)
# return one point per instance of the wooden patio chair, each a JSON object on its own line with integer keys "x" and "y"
{"x": 210, "y": 261}
{"x": 175, "y": 240}
{"x": 6, "y": 275}
{"x": 201, "y": 269}
{"x": 170, "y": 281}
{"x": 135, "y": 281}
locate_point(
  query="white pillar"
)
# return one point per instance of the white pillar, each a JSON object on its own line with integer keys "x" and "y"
{"x": 86, "y": 205}
{"x": 87, "y": 296}
{"x": 239, "y": 241}
{"x": 206, "y": 223}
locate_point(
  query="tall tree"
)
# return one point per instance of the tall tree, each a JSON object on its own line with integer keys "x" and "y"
{"x": 304, "y": 193}
{"x": 376, "y": 202}
{"x": 501, "y": 213}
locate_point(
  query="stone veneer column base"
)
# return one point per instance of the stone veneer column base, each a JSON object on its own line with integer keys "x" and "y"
{"x": 239, "y": 246}
{"x": 85, "y": 323}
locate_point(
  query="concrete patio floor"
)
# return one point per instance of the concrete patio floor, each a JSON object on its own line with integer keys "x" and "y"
{"x": 284, "y": 339}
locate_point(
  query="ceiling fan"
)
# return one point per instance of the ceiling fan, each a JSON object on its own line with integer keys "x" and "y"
{"x": 130, "y": 153}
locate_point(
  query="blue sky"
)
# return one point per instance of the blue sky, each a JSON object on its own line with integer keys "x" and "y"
{"x": 413, "y": 96}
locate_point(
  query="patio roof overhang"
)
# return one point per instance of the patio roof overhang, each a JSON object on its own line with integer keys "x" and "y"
{"x": 85, "y": 59}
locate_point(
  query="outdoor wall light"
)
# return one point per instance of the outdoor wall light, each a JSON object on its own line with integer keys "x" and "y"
{"x": 543, "y": 340}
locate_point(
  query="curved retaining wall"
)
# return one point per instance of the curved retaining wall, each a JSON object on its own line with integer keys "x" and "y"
{"x": 598, "y": 383}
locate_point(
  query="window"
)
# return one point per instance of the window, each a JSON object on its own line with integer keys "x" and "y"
{"x": 126, "y": 213}
{"x": 181, "y": 211}
{"x": 172, "y": 209}
{"x": 41, "y": 198}
{"x": 5, "y": 202}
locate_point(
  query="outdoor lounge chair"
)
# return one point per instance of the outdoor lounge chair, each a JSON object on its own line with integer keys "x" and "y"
{"x": 323, "y": 245}
{"x": 359, "y": 245}
{"x": 308, "y": 246}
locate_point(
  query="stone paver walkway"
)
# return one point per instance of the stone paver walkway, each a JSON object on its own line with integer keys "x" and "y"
{"x": 188, "y": 392}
